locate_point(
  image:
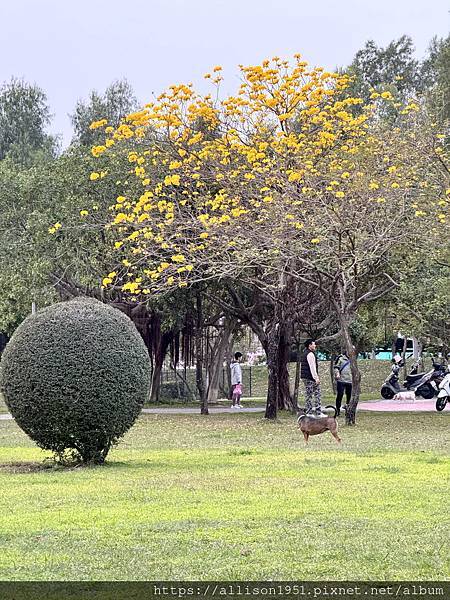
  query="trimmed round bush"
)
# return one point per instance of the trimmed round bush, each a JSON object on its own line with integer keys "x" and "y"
{"x": 75, "y": 376}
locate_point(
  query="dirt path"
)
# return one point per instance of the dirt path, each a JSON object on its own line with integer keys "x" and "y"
{"x": 377, "y": 406}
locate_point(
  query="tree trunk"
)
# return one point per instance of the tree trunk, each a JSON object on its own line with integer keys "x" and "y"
{"x": 420, "y": 355}
{"x": 405, "y": 343}
{"x": 284, "y": 349}
{"x": 277, "y": 351}
{"x": 199, "y": 358}
{"x": 160, "y": 354}
{"x": 350, "y": 415}
{"x": 332, "y": 377}
{"x": 297, "y": 376}
{"x": 216, "y": 365}
{"x": 272, "y": 365}
{"x": 156, "y": 379}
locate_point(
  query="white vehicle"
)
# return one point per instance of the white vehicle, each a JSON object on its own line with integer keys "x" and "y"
{"x": 444, "y": 391}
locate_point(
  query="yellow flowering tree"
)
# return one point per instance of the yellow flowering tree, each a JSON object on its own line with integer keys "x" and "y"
{"x": 290, "y": 180}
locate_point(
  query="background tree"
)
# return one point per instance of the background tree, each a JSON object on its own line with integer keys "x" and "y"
{"x": 117, "y": 101}
{"x": 395, "y": 66}
{"x": 435, "y": 72}
{"x": 24, "y": 117}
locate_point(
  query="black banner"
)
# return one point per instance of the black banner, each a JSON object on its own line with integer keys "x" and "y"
{"x": 233, "y": 590}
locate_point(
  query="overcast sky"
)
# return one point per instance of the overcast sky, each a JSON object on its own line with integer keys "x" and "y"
{"x": 70, "y": 47}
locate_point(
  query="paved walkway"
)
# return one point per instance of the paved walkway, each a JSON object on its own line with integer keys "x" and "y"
{"x": 377, "y": 406}
{"x": 401, "y": 406}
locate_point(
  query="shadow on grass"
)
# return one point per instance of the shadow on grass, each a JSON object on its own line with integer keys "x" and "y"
{"x": 51, "y": 466}
{"x": 30, "y": 467}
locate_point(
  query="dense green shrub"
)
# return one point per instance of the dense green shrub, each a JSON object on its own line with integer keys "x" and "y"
{"x": 75, "y": 376}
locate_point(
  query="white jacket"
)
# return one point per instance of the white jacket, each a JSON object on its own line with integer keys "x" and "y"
{"x": 236, "y": 373}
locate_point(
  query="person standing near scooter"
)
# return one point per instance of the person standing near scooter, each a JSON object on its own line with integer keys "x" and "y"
{"x": 343, "y": 374}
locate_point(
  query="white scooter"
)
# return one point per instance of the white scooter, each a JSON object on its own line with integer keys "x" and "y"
{"x": 444, "y": 392}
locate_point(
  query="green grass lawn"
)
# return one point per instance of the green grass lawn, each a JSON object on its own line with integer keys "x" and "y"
{"x": 233, "y": 497}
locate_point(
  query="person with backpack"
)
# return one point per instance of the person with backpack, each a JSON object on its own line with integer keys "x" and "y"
{"x": 343, "y": 374}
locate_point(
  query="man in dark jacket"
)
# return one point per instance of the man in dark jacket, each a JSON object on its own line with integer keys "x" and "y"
{"x": 309, "y": 373}
{"x": 343, "y": 376}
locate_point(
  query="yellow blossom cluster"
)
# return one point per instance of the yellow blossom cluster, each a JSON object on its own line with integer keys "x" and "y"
{"x": 278, "y": 161}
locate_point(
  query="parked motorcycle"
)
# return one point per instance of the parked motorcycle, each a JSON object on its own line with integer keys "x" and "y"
{"x": 444, "y": 391}
{"x": 422, "y": 384}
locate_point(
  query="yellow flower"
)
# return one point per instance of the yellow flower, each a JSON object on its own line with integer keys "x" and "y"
{"x": 94, "y": 176}
{"x": 97, "y": 124}
{"x": 178, "y": 258}
{"x": 55, "y": 228}
{"x": 294, "y": 177}
{"x": 84, "y": 213}
{"x": 172, "y": 180}
{"x": 386, "y": 95}
{"x": 131, "y": 286}
{"x": 97, "y": 150}
{"x": 339, "y": 194}
{"x": 315, "y": 240}
{"x": 106, "y": 281}
{"x": 204, "y": 235}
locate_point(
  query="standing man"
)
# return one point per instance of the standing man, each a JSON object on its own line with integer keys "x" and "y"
{"x": 309, "y": 373}
{"x": 343, "y": 376}
{"x": 236, "y": 380}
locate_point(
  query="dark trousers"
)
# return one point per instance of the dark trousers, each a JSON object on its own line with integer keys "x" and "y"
{"x": 341, "y": 387}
